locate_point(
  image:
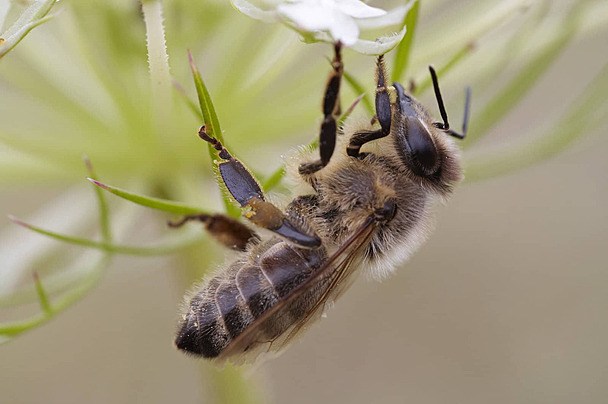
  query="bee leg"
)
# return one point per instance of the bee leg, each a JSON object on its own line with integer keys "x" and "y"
{"x": 247, "y": 192}
{"x": 383, "y": 101}
{"x": 360, "y": 138}
{"x": 465, "y": 119}
{"x": 331, "y": 109}
{"x": 228, "y": 231}
{"x": 383, "y": 114}
{"x": 444, "y": 115}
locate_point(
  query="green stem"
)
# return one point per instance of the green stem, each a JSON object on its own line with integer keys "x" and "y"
{"x": 154, "y": 203}
{"x": 161, "y": 249}
{"x": 158, "y": 62}
{"x": 104, "y": 213}
{"x": 8, "y": 331}
{"x": 230, "y": 386}
{"x": 33, "y": 16}
{"x": 42, "y": 296}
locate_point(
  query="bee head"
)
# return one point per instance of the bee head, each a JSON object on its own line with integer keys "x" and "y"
{"x": 428, "y": 151}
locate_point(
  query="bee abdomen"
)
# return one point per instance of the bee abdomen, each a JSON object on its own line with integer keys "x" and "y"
{"x": 257, "y": 292}
{"x": 232, "y": 308}
{"x": 230, "y": 303}
{"x": 203, "y": 331}
{"x": 279, "y": 271}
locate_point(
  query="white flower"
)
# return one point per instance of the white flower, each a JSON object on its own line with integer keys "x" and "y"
{"x": 331, "y": 20}
{"x": 337, "y": 17}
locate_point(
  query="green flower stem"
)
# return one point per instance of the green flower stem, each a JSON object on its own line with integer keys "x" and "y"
{"x": 161, "y": 249}
{"x": 60, "y": 282}
{"x": 55, "y": 284}
{"x": 158, "y": 62}
{"x": 10, "y": 330}
{"x": 230, "y": 385}
{"x": 104, "y": 214}
{"x": 42, "y": 296}
{"x": 33, "y": 16}
{"x": 49, "y": 310}
{"x": 150, "y": 202}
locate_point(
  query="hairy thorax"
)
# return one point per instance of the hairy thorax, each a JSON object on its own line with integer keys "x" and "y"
{"x": 350, "y": 192}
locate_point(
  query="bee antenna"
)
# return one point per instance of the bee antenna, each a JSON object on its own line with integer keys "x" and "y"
{"x": 465, "y": 120}
{"x": 444, "y": 114}
{"x": 467, "y": 108}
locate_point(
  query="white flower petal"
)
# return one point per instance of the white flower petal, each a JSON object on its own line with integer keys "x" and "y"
{"x": 380, "y": 45}
{"x": 330, "y": 20}
{"x": 393, "y": 17}
{"x": 358, "y": 9}
{"x": 344, "y": 29}
{"x": 308, "y": 16}
{"x": 253, "y": 11}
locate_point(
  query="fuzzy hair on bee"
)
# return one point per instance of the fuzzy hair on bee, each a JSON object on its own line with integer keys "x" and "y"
{"x": 365, "y": 205}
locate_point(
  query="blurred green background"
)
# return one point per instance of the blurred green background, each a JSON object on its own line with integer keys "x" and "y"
{"x": 505, "y": 303}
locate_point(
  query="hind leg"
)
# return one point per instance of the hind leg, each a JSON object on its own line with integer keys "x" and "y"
{"x": 246, "y": 190}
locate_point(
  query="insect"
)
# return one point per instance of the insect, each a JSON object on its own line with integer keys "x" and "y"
{"x": 366, "y": 206}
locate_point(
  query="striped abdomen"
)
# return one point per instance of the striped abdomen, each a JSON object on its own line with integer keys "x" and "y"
{"x": 230, "y": 302}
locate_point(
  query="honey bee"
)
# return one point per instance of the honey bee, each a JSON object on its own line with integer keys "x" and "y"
{"x": 360, "y": 209}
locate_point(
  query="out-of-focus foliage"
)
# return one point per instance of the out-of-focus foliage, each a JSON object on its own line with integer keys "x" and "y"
{"x": 112, "y": 80}
{"x": 33, "y": 14}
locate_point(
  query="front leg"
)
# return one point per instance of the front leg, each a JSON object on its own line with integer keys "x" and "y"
{"x": 329, "y": 127}
{"x": 383, "y": 113}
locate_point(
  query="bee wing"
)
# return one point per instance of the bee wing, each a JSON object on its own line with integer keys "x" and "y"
{"x": 309, "y": 300}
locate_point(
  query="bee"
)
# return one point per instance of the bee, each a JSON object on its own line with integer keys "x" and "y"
{"x": 367, "y": 206}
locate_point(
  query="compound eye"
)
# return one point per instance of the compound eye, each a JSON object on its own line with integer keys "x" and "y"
{"x": 423, "y": 153}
